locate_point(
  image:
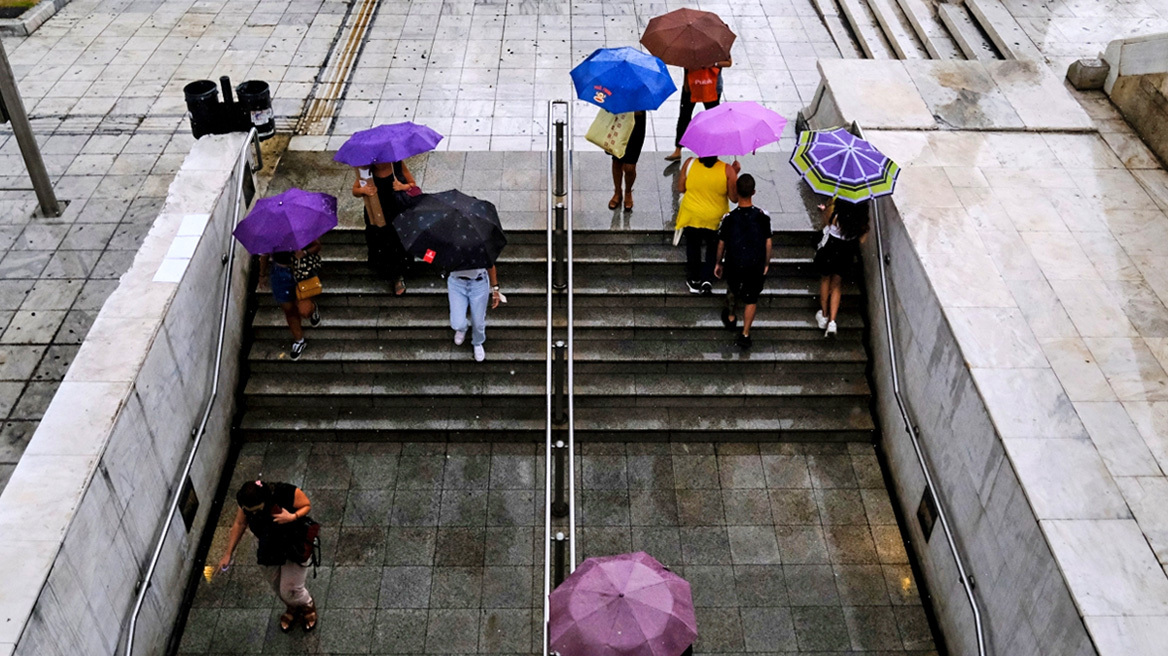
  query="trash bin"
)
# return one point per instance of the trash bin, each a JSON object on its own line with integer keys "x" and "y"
{"x": 255, "y": 99}
{"x": 202, "y": 98}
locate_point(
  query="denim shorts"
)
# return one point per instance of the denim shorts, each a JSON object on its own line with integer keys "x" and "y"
{"x": 283, "y": 284}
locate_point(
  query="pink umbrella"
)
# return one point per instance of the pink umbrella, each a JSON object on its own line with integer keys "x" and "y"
{"x": 733, "y": 128}
{"x": 624, "y": 605}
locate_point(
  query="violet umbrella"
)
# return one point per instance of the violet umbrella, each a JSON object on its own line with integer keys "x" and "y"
{"x": 287, "y": 222}
{"x": 624, "y": 605}
{"x": 387, "y": 143}
{"x": 838, "y": 163}
{"x": 733, "y": 128}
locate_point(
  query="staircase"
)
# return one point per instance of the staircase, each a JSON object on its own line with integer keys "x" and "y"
{"x": 925, "y": 29}
{"x": 652, "y": 361}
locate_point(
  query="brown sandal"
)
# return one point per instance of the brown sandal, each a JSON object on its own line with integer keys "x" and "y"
{"x": 288, "y": 619}
{"x": 309, "y": 617}
{"x": 628, "y": 201}
{"x": 399, "y": 287}
{"x": 615, "y": 202}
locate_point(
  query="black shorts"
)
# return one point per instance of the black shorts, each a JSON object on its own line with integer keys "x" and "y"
{"x": 837, "y": 257}
{"x": 745, "y": 285}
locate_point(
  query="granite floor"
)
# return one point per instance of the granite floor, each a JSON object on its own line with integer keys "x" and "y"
{"x": 435, "y": 548}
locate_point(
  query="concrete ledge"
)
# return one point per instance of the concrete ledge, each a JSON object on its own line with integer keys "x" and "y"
{"x": 32, "y": 18}
{"x": 999, "y": 24}
{"x": 83, "y": 506}
{"x": 936, "y": 95}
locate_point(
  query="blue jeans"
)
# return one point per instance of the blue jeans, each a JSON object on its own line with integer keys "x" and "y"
{"x": 473, "y": 295}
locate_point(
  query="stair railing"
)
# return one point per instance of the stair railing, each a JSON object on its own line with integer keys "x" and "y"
{"x": 559, "y": 555}
{"x": 243, "y": 171}
{"x": 931, "y": 492}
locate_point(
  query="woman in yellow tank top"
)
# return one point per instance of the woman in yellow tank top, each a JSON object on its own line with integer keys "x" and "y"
{"x": 709, "y": 185}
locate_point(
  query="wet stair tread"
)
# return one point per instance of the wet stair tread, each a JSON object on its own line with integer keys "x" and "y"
{"x": 426, "y": 384}
{"x": 582, "y": 254}
{"x": 667, "y": 285}
{"x": 535, "y": 317}
{"x": 620, "y": 350}
{"x": 531, "y": 418}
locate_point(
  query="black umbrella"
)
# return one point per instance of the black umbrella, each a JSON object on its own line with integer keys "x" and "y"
{"x": 452, "y": 230}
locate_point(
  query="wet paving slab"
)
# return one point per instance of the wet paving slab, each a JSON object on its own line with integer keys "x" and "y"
{"x": 436, "y": 548}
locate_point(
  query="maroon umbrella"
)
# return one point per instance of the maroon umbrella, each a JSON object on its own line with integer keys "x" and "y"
{"x": 689, "y": 38}
{"x": 625, "y": 605}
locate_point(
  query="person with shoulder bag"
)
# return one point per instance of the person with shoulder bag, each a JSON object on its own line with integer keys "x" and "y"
{"x": 699, "y": 85}
{"x": 295, "y": 280}
{"x": 388, "y": 190}
{"x": 277, "y": 514}
{"x": 708, "y": 185}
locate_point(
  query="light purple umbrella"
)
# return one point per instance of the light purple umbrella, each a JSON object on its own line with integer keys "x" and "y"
{"x": 387, "y": 143}
{"x": 733, "y": 128}
{"x": 287, "y": 222}
{"x": 624, "y": 605}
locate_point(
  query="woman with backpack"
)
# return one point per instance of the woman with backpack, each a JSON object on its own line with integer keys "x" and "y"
{"x": 276, "y": 513}
{"x": 839, "y": 250}
{"x": 699, "y": 85}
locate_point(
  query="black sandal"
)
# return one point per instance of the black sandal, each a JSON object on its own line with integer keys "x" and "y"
{"x": 727, "y": 321}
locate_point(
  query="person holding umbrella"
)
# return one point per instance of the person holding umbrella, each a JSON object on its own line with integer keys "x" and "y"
{"x": 699, "y": 42}
{"x": 387, "y": 187}
{"x": 622, "y": 80}
{"x": 851, "y": 171}
{"x": 462, "y": 235}
{"x": 284, "y": 231}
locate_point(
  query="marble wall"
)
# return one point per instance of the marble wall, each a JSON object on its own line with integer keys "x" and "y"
{"x": 1025, "y": 604}
{"x": 129, "y": 403}
{"x": 1138, "y": 85}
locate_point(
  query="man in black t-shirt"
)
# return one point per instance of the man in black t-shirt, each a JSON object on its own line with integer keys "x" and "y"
{"x": 744, "y": 255}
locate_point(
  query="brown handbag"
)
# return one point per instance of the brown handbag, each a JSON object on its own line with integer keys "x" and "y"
{"x": 308, "y": 288}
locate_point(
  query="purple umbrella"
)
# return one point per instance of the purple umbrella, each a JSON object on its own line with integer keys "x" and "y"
{"x": 387, "y": 143}
{"x": 733, "y": 128}
{"x": 287, "y": 222}
{"x": 625, "y": 605}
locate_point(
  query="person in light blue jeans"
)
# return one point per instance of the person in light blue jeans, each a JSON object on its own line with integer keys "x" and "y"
{"x": 469, "y": 289}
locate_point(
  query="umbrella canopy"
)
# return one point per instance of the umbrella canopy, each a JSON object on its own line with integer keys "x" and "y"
{"x": 838, "y": 163}
{"x": 387, "y": 143}
{"x": 452, "y": 230}
{"x": 688, "y": 38}
{"x": 625, "y": 605}
{"x": 623, "y": 80}
{"x": 287, "y": 222}
{"x": 733, "y": 128}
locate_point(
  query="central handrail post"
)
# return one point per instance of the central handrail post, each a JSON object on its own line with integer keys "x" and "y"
{"x": 559, "y": 206}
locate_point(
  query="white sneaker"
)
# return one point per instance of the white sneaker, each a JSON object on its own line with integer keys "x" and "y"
{"x": 830, "y": 329}
{"x": 459, "y": 337}
{"x": 480, "y": 353}
{"x": 820, "y": 320}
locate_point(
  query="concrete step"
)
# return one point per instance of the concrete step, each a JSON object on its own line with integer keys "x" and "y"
{"x": 521, "y": 423}
{"x": 347, "y": 235}
{"x": 597, "y": 390}
{"x": 424, "y": 323}
{"x": 898, "y": 30}
{"x": 928, "y": 27}
{"x": 867, "y": 29}
{"x": 1003, "y": 29}
{"x": 967, "y": 33}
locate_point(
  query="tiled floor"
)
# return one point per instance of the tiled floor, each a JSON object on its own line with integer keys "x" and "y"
{"x": 436, "y": 548}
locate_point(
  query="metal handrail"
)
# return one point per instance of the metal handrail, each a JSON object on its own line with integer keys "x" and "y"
{"x": 241, "y": 164}
{"x": 550, "y": 353}
{"x": 911, "y": 428}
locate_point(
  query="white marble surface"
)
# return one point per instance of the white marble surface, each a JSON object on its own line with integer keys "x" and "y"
{"x": 1070, "y": 359}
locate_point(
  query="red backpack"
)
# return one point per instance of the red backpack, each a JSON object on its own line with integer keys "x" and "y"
{"x": 703, "y": 84}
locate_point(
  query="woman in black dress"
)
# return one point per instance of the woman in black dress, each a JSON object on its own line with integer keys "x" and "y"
{"x": 626, "y": 167}
{"x": 387, "y": 256}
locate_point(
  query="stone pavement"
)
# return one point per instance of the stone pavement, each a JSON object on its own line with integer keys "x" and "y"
{"x": 437, "y": 548}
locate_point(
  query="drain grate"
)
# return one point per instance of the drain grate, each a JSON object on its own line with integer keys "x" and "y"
{"x": 330, "y": 87}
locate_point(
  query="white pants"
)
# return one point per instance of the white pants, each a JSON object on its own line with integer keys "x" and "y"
{"x": 288, "y": 582}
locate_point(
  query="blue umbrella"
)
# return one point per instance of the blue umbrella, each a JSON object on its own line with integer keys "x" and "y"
{"x": 623, "y": 80}
{"x": 387, "y": 143}
{"x": 287, "y": 222}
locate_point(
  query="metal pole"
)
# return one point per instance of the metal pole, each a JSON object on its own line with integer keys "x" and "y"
{"x": 28, "y": 145}
{"x": 559, "y": 505}
{"x": 560, "y": 566}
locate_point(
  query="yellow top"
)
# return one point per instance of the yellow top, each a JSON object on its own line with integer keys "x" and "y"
{"x": 705, "y": 201}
